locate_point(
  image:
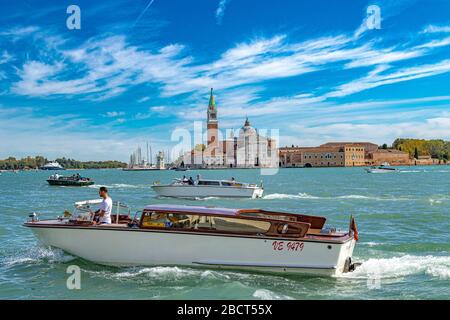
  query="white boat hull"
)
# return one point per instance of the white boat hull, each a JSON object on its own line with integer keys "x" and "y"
{"x": 190, "y": 191}
{"x": 136, "y": 247}
{"x": 380, "y": 171}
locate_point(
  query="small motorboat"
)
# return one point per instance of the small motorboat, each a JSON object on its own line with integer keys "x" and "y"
{"x": 381, "y": 169}
{"x": 72, "y": 181}
{"x": 203, "y": 188}
{"x": 178, "y": 235}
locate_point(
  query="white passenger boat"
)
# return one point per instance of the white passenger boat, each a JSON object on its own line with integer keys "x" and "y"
{"x": 203, "y": 188}
{"x": 381, "y": 169}
{"x": 176, "y": 235}
{"x": 52, "y": 166}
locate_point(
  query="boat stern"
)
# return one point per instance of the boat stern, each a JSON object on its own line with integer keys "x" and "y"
{"x": 258, "y": 192}
{"x": 345, "y": 261}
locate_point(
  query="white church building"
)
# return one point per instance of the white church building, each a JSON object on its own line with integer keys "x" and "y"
{"x": 247, "y": 150}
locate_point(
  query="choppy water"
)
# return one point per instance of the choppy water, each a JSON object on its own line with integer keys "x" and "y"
{"x": 403, "y": 221}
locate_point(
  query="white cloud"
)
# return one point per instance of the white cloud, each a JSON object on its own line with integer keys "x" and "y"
{"x": 435, "y": 43}
{"x": 152, "y": 111}
{"x": 220, "y": 12}
{"x": 67, "y": 135}
{"x": 17, "y": 33}
{"x": 436, "y": 29}
{"x": 5, "y": 57}
{"x": 143, "y": 99}
{"x": 109, "y": 66}
{"x": 432, "y": 128}
{"x": 114, "y": 114}
{"x": 379, "y": 78}
{"x": 105, "y": 67}
{"x": 158, "y": 108}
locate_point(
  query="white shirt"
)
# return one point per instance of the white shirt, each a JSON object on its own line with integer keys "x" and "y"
{"x": 106, "y": 207}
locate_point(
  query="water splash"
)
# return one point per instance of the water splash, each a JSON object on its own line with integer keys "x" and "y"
{"x": 265, "y": 294}
{"x": 273, "y": 196}
{"x": 37, "y": 255}
{"x": 407, "y": 265}
{"x": 280, "y": 196}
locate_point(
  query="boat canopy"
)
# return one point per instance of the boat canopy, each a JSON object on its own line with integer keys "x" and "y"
{"x": 88, "y": 202}
{"x": 191, "y": 209}
{"x": 85, "y": 203}
{"x": 316, "y": 222}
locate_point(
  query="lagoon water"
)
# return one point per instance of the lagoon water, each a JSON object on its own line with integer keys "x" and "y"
{"x": 403, "y": 221}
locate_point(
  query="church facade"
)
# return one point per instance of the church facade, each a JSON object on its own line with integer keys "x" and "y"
{"x": 248, "y": 149}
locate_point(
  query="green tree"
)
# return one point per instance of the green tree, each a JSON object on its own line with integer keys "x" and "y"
{"x": 416, "y": 153}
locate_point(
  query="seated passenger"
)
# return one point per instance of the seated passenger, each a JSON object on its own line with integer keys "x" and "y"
{"x": 104, "y": 212}
{"x": 185, "y": 180}
{"x": 191, "y": 181}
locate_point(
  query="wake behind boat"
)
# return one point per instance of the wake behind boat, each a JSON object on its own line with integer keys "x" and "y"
{"x": 203, "y": 188}
{"x": 71, "y": 181}
{"x": 177, "y": 235}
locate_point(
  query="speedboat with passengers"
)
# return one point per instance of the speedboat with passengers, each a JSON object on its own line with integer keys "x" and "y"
{"x": 177, "y": 235}
{"x": 71, "y": 181}
{"x": 204, "y": 188}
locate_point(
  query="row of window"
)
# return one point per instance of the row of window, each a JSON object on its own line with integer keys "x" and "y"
{"x": 327, "y": 156}
{"x": 220, "y": 224}
{"x": 199, "y": 222}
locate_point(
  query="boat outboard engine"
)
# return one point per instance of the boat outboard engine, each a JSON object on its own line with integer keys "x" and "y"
{"x": 350, "y": 266}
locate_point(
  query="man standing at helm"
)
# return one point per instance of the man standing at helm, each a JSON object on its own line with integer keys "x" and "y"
{"x": 104, "y": 212}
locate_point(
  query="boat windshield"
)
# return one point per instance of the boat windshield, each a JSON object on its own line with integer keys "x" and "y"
{"x": 202, "y": 222}
{"x": 222, "y": 224}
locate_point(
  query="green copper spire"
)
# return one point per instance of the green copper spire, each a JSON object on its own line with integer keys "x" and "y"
{"x": 212, "y": 103}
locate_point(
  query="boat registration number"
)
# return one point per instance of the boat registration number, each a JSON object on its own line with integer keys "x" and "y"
{"x": 287, "y": 246}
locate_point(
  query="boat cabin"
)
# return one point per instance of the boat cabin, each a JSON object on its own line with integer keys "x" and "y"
{"x": 213, "y": 183}
{"x": 251, "y": 222}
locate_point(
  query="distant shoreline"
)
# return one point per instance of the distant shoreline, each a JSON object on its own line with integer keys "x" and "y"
{"x": 216, "y": 169}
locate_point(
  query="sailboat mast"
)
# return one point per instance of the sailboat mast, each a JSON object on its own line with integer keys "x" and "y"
{"x": 151, "y": 156}
{"x": 148, "y": 155}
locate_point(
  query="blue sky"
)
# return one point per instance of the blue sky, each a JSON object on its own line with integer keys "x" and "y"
{"x": 137, "y": 70}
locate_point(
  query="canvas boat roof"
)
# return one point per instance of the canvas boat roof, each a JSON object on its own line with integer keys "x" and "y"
{"x": 97, "y": 201}
{"x": 315, "y": 221}
{"x": 191, "y": 209}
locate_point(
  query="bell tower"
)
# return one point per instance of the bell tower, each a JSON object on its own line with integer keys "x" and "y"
{"x": 212, "y": 122}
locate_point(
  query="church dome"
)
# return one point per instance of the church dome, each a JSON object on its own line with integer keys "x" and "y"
{"x": 247, "y": 129}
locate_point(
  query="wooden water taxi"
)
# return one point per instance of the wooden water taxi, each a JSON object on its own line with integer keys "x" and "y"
{"x": 168, "y": 235}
